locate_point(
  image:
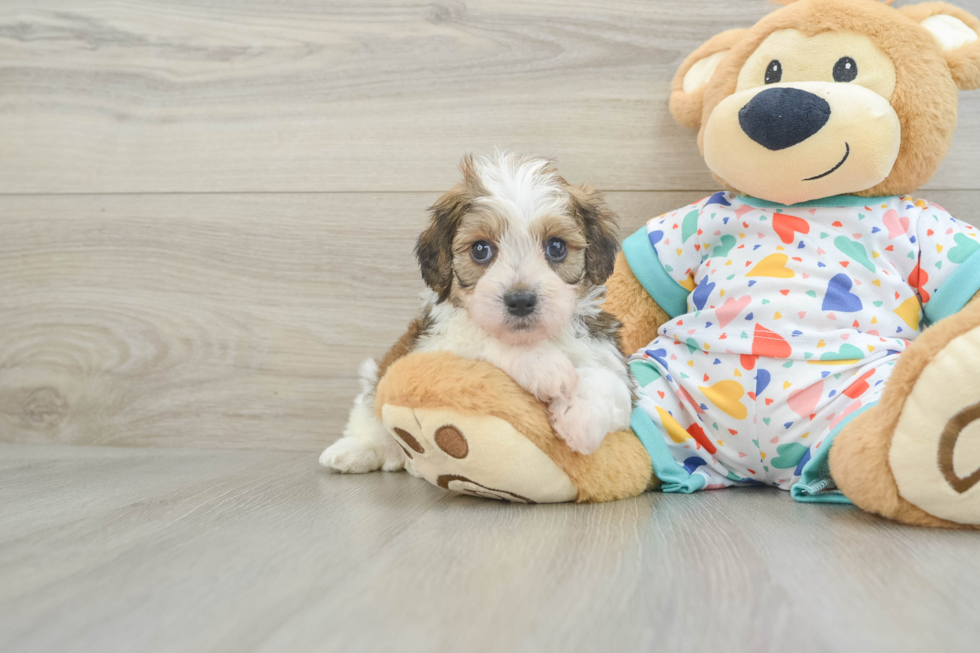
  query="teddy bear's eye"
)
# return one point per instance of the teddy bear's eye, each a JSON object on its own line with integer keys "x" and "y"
{"x": 845, "y": 70}
{"x": 774, "y": 72}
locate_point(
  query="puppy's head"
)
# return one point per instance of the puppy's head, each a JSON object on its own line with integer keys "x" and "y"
{"x": 517, "y": 246}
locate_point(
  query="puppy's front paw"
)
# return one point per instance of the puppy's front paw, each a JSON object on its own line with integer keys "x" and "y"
{"x": 546, "y": 373}
{"x": 576, "y": 425}
{"x": 353, "y": 456}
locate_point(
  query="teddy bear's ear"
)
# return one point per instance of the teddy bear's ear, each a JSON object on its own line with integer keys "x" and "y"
{"x": 687, "y": 89}
{"x": 958, "y": 35}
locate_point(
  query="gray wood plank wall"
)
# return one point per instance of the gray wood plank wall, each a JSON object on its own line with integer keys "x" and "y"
{"x": 207, "y": 207}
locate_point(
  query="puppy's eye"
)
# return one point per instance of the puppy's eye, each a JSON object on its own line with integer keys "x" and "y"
{"x": 481, "y": 251}
{"x": 845, "y": 70}
{"x": 774, "y": 72}
{"x": 556, "y": 250}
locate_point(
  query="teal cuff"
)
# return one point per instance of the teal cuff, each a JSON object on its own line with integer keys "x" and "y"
{"x": 815, "y": 484}
{"x": 954, "y": 294}
{"x": 672, "y": 475}
{"x": 649, "y": 271}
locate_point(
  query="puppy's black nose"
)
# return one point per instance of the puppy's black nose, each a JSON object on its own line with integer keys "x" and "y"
{"x": 520, "y": 303}
{"x": 778, "y": 118}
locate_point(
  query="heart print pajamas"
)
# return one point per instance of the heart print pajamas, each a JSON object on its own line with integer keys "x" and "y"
{"x": 787, "y": 322}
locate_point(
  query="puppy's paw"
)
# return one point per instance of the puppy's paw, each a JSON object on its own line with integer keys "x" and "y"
{"x": 555, "y": 378}
{"x": 577, "y": 425}
{"x": 545, "y": 372}
{"x": 353, "y": 456}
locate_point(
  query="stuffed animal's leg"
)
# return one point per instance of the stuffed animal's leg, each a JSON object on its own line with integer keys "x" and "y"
{"x": 468, "y": 427}
{"x": 915, "y": 457}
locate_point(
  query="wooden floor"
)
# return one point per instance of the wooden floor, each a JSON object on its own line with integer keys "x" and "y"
{"x": 207, "y": 209}
{"x": 110, "y": 549}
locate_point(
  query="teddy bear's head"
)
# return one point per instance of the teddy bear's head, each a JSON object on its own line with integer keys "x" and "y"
{"x": 830, "y": 97}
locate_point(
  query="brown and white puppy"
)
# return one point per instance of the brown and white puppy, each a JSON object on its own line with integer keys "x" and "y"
{"x": 514, "y": 258}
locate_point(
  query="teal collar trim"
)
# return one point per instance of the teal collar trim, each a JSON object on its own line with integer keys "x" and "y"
{"x": 649, "y": 271}
{"x": 956, "y": 291}
{"x": 835, "y": 201}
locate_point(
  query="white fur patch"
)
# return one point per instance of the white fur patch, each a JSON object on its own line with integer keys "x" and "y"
{"x": 519, "y": 188}
{"x": 365, "y": 446}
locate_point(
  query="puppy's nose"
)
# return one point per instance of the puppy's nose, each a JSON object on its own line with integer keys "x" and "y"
{"x": 520, "y": 303}
{"x": 778, "y": 118}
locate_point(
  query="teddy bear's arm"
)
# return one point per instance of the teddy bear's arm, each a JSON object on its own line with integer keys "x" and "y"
{"x": 629, "y": 302}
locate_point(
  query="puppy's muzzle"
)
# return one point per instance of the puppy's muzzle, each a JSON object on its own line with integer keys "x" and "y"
{"x": 520, "y": 303}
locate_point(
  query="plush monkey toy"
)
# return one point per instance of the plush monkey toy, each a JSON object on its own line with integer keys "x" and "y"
{"x": 810, "y": 328}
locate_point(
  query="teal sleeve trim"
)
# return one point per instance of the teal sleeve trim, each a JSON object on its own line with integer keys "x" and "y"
{"x": 954, "y": 294}
{"x": 673, "y": 477}
{"x": 815, "y": 484}
{"x": 649, "y": 271}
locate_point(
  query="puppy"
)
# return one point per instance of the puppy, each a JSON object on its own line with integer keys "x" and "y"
{"x": 514, "y": 258}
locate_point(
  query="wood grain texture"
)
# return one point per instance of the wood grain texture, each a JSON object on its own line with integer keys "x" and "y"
{"x": 214, "y": 320}
{"x": 149, "y": 550}
{"x": 210, "y": 321}
{"x": 294, "y": 95}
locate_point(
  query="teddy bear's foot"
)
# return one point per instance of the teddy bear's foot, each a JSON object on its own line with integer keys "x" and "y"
{"x": 465, "y": 426}
{"x": 476, "y": 455}
{"x": 915, "y": 457}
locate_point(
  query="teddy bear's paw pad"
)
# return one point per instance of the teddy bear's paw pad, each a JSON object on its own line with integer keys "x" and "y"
{"x": 478, "y": 455}
{"x": 935, "y": 452}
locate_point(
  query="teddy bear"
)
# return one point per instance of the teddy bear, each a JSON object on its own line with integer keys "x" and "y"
{"x": 810, "y": 327}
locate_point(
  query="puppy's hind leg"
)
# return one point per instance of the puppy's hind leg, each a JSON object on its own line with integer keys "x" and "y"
{"x": 365, "y": 446}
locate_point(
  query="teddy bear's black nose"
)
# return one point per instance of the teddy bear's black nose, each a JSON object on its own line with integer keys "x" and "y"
{"x": 778, "y": 118}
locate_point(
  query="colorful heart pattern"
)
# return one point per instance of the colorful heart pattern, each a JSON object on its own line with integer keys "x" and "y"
{"x": 786, "y": 226}
{"x": 795, "y": 320}
{"x": 855, "y": 251}
{"x": 839, "y": 296}
{"x": 731, "y": 309}
{"x": 773, "y": 266}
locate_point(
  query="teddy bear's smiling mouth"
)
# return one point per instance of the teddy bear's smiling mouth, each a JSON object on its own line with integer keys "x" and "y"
{"x": 847, "y": 153}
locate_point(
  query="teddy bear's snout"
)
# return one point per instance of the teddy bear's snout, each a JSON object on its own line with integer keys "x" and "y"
{"x": 777, "y": 118}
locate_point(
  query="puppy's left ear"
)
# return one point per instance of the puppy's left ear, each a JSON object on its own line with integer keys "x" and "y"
{"x": 958, "y": 34}
{"x": 599, "y": 225}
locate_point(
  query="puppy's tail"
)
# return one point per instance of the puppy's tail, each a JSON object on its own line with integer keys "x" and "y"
{"x": 368, "y": 374}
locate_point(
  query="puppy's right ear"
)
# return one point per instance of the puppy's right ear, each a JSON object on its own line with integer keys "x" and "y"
{"x": 687, "y": 88}
{"x": 434, "y": 248}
